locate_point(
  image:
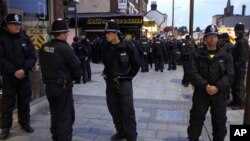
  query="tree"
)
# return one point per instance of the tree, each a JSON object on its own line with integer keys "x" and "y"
{"x": 198, "y": 29}
{"x": 182, "y": 30}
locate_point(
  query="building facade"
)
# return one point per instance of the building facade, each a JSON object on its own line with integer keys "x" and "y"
{"x": 92, "y": 16}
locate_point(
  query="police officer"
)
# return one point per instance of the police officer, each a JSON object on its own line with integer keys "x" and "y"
{"x": 84, "y": 42}
{"x": 186, "y": 53}
{"x": 60, "y": 66}
{"x": 17, "y": 58}
{"x": 121, "y": 64}
{"x": 172, "y": 49}
{"x": 240, "y": 56}
{"x": 158, "y": 50}
{"x": 144, "y": 48}
{"x": 224, "y": 42}
{"x": 82, "y": 54}
{"x": 211, "y": 75}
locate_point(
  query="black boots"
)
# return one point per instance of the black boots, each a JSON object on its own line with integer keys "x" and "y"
{"x": 27, "y": 129}
{"x": 117, "y": 137}
{"x": 4, "y": 134}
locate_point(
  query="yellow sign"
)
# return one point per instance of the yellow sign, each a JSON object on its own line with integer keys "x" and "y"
{"x": 37, "y": 37}
{"x": 149, "y": 23}
{"x": 229, "y": 31}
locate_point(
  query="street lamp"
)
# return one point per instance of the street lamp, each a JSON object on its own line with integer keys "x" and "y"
{"x": 75, "y": 2}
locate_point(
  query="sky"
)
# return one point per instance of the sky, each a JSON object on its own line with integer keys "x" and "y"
{"x": 204, "y": 10}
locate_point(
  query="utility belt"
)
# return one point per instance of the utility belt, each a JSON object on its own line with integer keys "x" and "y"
{"x": 117, "y": 79}
{"x": 65, "y": 82}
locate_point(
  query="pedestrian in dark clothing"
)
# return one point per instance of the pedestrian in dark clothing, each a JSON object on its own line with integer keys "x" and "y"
{"x": 59, "y": 67}
{"x": 172, "y": 49}
{"x": 240, "y": 55}
{"x": 211, "y": 75}
{"x": 17, "y": 58}
{"x": 121, "y": 64}
{"x": 224, "y": 42}
{"x": 85, "y": 43}
{"x": 186, "y": 54}
{"x": 158, "y": 51}
{"x": 150, "y": 55}
{"x": 144, "y": 48}
{"x": 82, "y": 54}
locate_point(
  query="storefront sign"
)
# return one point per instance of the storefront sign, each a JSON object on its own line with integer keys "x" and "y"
{"x": 122, "y": 4}
{"x": 127, "y": 21}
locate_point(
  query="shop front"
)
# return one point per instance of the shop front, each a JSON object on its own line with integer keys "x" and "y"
{"x": 93, "y": 24}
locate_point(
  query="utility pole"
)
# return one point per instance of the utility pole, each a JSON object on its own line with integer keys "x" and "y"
{"x": 246, "y": 120}
{"x": 173, "y": 18}
{"x": 191, "y": 17}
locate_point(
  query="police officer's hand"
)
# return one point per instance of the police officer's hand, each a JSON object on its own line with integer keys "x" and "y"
{"x": 211, "y": 90}
{"x": 20, "y": 74}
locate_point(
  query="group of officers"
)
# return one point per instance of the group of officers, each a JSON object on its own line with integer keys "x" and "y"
{"x": 212, "y": 70}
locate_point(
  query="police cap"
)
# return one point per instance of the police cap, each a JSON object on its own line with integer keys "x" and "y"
{"x": 59, "y": 26}
{"x": 112, "y": 25}
{"x": 224, "y": 36}
{"x": 239, "y": 26}
{"x": 211, "y": 29}
{"x": 187, "y": 37}
{"x": 13, "y": 18}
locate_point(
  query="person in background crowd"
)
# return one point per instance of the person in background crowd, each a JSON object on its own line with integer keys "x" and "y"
{"x": 17, "y": 58}
{"x": 240, "y": 55}
{"x": 121, "y": 64}
{"x": 143, "y": 47}
{"x": 158, "y": 51}
{"x": 211, "y": 75}
{"x": 224, "y": 42}
{"x": 172, "y": 49}
{"x": 82, "y": 53}
{"x": 85, "y": 42}
{"x": 59, "y": 67}
{"x": 186, "y": 54}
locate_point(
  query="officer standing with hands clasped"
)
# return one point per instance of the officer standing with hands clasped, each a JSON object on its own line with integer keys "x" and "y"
{"x": 60, "y": 66}
{"x": 240, "y": 55}
{"x": 212, "y": 75}
{"x": 17, "y": 58}
{"x": 121, "y": 64}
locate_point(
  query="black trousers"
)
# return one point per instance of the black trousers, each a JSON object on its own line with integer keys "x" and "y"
{"x": 62, "y": 111}
{"x": 238, "y": 87}
{"x": 201, "y": 102}
{"x": 15, "y": 90}
{"x": 159, "y": 62}
{"x": 186, "y": 69}
{"x": 121, "y": 107}
{"x": 88, "y": 70}
{"x": 144, "y": 62}
{"x": 172, "y": 61}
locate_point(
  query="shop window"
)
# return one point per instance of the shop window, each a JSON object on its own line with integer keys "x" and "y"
{"x": 30, "y": 10}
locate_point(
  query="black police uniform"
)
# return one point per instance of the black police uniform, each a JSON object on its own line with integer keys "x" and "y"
{"x": 60, "y": 66}
{"x": 214, "y": 68}
{"x": 87, "y": 45}
{"x": 186, "y": 54}
{"x": 240, "y": 55}
{"x": 144, "y": 49}
{"x": 121, "y": 64}
{"x": 158, "y": 51}
{"x": 16, "y": 52}
{"x": 172, "y": 49}
{"x": 82, "y": 53}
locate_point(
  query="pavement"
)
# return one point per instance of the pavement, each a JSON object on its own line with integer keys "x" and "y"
{"x": 162, "y": 107}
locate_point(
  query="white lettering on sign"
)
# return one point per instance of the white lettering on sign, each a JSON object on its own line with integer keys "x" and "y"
{"x": 49, "y": 49}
